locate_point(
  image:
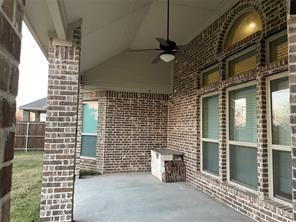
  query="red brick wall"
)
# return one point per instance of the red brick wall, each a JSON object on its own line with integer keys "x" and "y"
{"x": 11, "y": 14}
{"x": 130, "y": 125}
{"x": 184, "y": 108}
{"x": 135, "y": 123}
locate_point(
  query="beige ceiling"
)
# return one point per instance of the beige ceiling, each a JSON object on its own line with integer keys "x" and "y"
{"x": 112, "y": 26}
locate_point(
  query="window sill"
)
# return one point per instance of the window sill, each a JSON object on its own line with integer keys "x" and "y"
{"x": 267, "y": 203}
{"x": 285, "y": 205}
{"x": 275, "y": 68}
{"x": 87, "y": 157}
{"x": 208, "y": 88}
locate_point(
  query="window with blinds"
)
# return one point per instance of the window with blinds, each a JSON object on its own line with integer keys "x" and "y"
{"x": 282, "y": 174}
{"x": 210, "y": 76}
{"x": 242, "y": 113}
{"x": 243, "y": 165}
{"x": 280, "y": 141}
{"x": 278, "y": 49}
{"x": 242, "y": 136}
{"x": 210, "y": 157}
{"x": 281, "y": 130}
{"x": 242, "y": 64}
{"x": 210, "y": 114}
{"x": 89, "y": 129}
{"x": 210, "y": 134}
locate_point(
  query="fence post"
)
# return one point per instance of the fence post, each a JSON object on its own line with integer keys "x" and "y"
{"x": 27, "y": 135}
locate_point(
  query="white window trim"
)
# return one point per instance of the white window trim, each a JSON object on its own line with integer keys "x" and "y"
{"x": 88, "y": 157}
{"x": 205, "y": 71}
{"x": 271, "y": 39}
{"x": 240, "y": 143}
{"x": 235, "y": 56}
{"x": 206, "y": 139}
{"x": 88, "y": 134}
{"x": 270, "y": 146}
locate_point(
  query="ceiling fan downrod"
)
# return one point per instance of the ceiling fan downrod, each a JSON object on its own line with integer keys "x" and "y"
{"x": 168, "y": 20}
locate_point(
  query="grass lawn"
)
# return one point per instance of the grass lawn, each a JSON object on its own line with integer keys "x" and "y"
{"x": 26, "y": 186}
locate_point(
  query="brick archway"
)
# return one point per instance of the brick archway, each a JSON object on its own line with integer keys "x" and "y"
{"x": 232, "y": 16}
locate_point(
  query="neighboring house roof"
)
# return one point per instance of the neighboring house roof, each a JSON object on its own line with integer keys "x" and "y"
{"x": 38, "y": 105}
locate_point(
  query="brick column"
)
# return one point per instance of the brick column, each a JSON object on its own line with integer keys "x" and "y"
{"x": 291, "y": 20}
{"x": 222, "y": 124}
{"x": 222, "y": 135}
{"x": 100, "y": 154}
{"x": 61, "y": 129}
{"x": 198, "y": 124}
{"x": 79, "y": 129}
{"x": 11, "y": 14}
{"x": 262, "y": 147}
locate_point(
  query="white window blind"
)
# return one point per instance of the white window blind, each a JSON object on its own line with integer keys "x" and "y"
{"x": 210, "y": 134}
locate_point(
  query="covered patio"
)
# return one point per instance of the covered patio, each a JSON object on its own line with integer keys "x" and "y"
{"x": 134, "y": 197}
{"x": 227, "y": 103}
{"x": 222, "y": 100}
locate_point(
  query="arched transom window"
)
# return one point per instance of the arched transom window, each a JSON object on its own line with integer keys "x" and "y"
{"x": 246, "y": 24}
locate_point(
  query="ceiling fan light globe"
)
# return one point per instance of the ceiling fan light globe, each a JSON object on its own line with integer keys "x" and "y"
{"x": 167, "y": 57}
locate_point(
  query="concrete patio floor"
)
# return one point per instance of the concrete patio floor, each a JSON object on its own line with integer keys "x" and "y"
{"x": 142, "y": 198}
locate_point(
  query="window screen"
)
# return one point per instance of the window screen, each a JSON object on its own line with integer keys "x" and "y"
{"x": 89, "y": 129}
{"x": 281, "y": 138}
{"x": 243, "y": 165}
{"x": 242, "y": 129}
{"x": 282, "y": 174}
{"x": 281, "y": 132}
{"x": 210, "y": 135}
{"x": 210, "y": 120}
{"x": 242, "y": 115}
{"x": 210, "y": 157}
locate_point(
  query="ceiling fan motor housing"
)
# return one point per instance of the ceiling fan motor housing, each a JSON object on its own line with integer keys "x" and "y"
{"x": 169, "y": 46}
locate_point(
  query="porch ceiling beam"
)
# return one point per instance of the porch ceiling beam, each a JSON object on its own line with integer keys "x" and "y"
{"x": 58, "y": 17}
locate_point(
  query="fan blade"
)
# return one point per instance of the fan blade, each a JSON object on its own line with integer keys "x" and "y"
{"x": 142, "y": 50}
{"x": 162, "y": 41}
{"x": 156, "y": 59}
{"x": 188, "y": 46}
{"x": 184, "y": 56}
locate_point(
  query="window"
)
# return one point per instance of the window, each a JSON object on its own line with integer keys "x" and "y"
{"x": 89, "y": 129}
{"x": 210, "y": 134}
{"x": 246, "y": 25}
{"x": 242, "y": 136}
{"x": 42, "y": 117}
{"x": 280, "y": 138}
{"x": 26, "y": 115}
{"x": 241, "y": 63}
{"x": 210, "y": 76}
{"x": 277, "y": 47}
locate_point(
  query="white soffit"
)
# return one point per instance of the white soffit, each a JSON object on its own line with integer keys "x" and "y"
{"x": 112, "y": 26}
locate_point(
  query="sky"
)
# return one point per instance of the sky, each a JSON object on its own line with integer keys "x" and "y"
{"x": 33, "y": 70}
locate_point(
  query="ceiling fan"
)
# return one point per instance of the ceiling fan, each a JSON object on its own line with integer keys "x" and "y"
{"x": 168, "y": 48}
